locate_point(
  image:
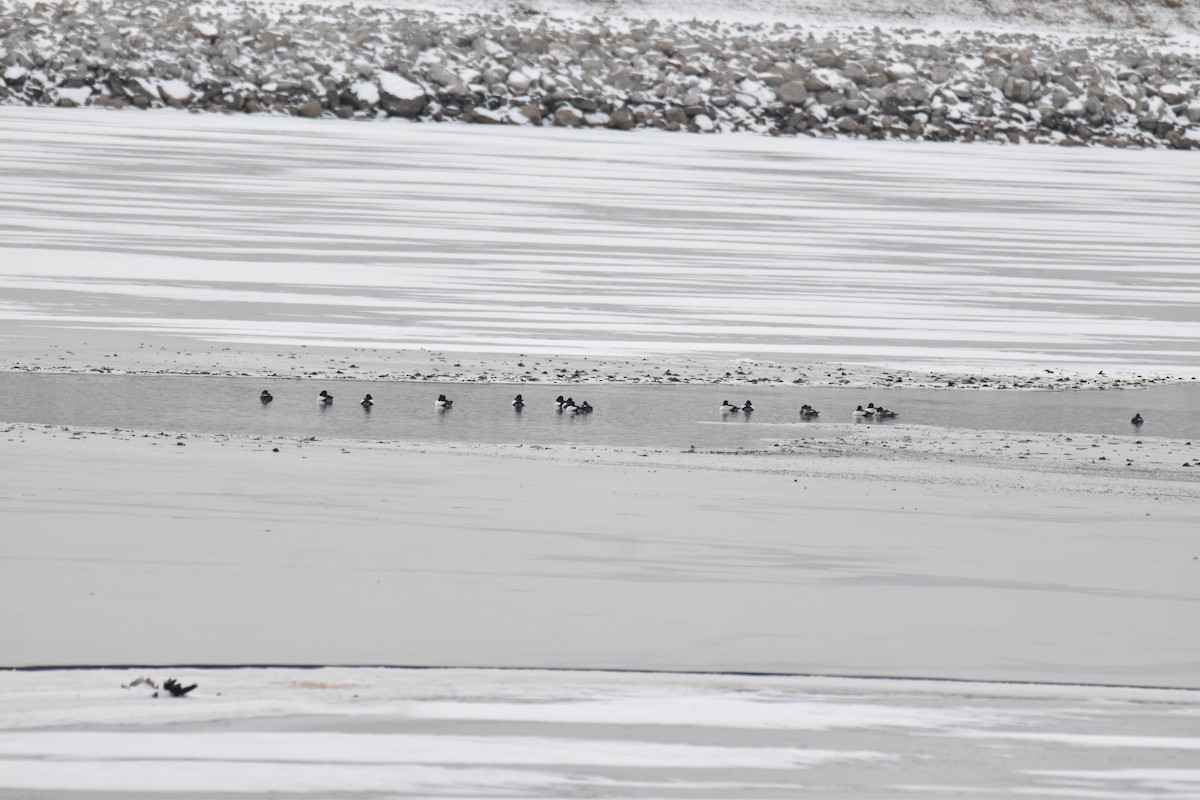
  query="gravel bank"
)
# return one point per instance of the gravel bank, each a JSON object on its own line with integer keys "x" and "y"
{"x": 520, "y": 66}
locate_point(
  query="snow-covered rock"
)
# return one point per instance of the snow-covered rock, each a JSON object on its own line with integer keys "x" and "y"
{"x": 568, "y": 117}
{"x": 399, "y": 87}
{"x": 366, "y": 92}
{"x": 204, "y": 28}
{"x": 518, "y": 81}
{"x": 73, "y": 96}
{"x": 1174, "y": 93}
{"x": 175, "y": 91}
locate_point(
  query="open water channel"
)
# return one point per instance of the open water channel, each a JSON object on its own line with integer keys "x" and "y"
{"x": 625, "y": 415}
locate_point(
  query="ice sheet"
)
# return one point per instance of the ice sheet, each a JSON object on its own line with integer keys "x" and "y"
{"x": 137, "y": 231}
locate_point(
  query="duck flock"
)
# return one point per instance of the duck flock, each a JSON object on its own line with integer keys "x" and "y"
{"x": 443, "y": 403}
{"x": 569, "y": 406}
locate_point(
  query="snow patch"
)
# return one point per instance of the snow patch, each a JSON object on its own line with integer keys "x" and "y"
{"x": 399, "y": 86}
{"x": 366, "y": 92}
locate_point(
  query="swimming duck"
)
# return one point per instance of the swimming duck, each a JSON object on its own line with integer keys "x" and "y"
{"x": 861, "y": 412}
{"x": 569, "y": 406}
{"x": 585, "y": 407}
{"x": 265, "y": 397}
{"x": 326, "y": 398}
{"x": 559, "y": 402}
{"x": 879, "y": 411}
{"x": 728, "y": 408}
{"x": 518, "y": 402}
{"x": 443, "y": 403}
{"x": 367, "y": 402}
{"x": 1137, "y": 419}
{"x": 746, "y": 409}
{"x": 808, "y": 412}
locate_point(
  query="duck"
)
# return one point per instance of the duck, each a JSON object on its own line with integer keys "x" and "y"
{"x": 808, "y": 412}
{"x": 746, "y": 409}
{"x": 1137, "y": 419}
{"x": 585, "y": 407}
{"x": 728, "y": 408}
{"x": 880, "y": 411}
{"x": 569, "y": 406}
{"x": 518, "y": 402}
{"x": 559, "y": 402}
{"x": 326, "y": 398}
{"x": 176, "y": 688}
{"x": 266, "y": 397}
{"x": 443, "y": 403}
{"x": 860, "y": 412}
{"x": 367, "y": 402}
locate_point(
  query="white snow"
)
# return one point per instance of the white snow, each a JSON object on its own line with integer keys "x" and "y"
{"x": 205, "y": 28}
{"x": 367, "y": 92}
{"x": 175, "y": 90}
{"x": 78, "y": 95}
{"x": 399, "y": 87}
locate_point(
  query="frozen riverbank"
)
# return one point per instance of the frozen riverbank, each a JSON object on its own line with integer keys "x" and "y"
{"x": 306, "y": 248}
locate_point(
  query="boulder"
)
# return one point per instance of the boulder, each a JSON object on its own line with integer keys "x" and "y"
{"x": 527, "y": 114}
{"x": 827, "y": 59}
{"x": 400, "y": 96}
{"x": 814, "y": 83}
{"x": 366, "y": 93}
{"x": 175, "y": 92}
{"x": 518, "y": 81}
{"x": 792, "y": 92}
{"x": 676, "y": 115}
{"x": 1018, "y": 89}
{"x": 568, "y": 117}
{"x": 1174, "y": 94}
{"x": 622, "y": 119}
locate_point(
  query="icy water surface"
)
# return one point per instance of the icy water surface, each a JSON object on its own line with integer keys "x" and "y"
{"x": 153, "y": 229}
{"x": 629, "y": 415}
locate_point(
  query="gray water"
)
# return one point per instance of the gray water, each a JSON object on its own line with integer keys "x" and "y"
{"x": 626, "y": 415}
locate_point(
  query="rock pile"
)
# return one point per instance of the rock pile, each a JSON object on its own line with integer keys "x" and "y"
{"x": 531, "y": 68}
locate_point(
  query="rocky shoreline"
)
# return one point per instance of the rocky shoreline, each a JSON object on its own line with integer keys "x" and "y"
{"x": 529, "y": 67}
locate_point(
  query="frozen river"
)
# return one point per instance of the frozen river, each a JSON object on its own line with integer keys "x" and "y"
{"x": 626, "y": 415}
{"x": 146, "y": 234}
